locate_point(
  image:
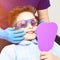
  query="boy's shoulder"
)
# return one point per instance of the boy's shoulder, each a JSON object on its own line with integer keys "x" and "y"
{"x": 56, "y": 49}
{"x": 8, "y": 48}
{"x": 8, "y": 52}
{"x": 56, "y": 45}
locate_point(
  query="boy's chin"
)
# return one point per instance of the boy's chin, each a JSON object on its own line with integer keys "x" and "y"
{"x": 30, "y": 37}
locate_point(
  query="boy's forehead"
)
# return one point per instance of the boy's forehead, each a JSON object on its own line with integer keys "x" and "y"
{"x": 25, "y": 16}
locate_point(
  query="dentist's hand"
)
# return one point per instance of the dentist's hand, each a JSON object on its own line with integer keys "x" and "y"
{"x": 12, "y": 35}
{"x": 41, "y": 21}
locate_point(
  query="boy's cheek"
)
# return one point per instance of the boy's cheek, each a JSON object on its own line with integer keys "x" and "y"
{"x": 35, "y": 28}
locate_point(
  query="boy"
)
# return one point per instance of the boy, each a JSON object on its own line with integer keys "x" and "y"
{"x": 23, "y": 18}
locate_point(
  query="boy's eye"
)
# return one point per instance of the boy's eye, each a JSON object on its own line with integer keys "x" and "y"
{"x": 22, "y": 24}
{"x": 33, "y": 23}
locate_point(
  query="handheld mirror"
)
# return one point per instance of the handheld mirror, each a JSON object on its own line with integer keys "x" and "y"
{"x": 46, "y": 33}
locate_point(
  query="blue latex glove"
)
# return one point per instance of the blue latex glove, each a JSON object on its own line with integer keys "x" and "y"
{"x": 12, "y": 35}
{"x": 42, "y": 21}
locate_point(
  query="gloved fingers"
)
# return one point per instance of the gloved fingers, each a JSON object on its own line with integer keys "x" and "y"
{"x": 19, "y": 34}
{"x": 11, "y": 29}
{"x": 41, "y": 21}
{"x": 19, "y": 39}
{"x": 16, "y": 42}
{"x": 18, "y": 31}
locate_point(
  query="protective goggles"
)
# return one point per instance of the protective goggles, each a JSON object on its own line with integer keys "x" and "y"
{"x": 24, "y": 23}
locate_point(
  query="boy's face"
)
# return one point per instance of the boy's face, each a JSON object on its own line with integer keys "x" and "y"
{"x": 27, "y": 22}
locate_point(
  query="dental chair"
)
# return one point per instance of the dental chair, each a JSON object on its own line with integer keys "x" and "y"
{"x": 3, "y": 43}
{"x": 57, "y": 39}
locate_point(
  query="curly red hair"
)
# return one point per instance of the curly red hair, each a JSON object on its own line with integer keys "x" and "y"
{"x": 16, "y": 11}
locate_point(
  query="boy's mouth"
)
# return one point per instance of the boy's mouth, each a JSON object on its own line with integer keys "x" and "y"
{"x": 30, "y": 32}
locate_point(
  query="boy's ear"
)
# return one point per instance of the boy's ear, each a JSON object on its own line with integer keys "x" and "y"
{"x": 37, "y": 19}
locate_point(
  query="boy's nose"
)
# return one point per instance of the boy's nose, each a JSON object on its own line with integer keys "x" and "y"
{"x": 29, "y": 25}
